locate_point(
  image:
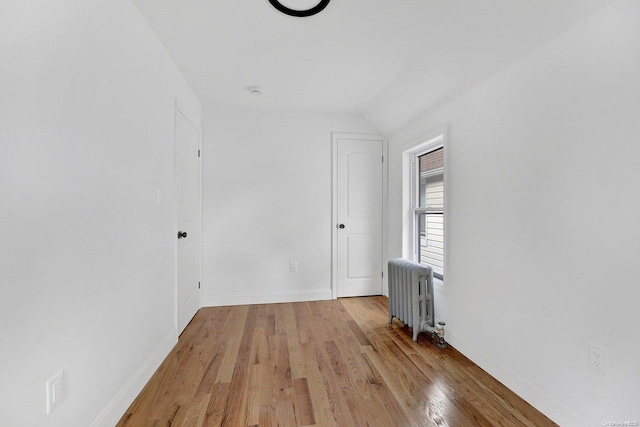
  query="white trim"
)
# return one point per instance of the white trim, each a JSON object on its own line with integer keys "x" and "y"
{"x": 266, "y": 298}
{"x": 385, "y": 213}
{"x": 175, "y": 195}
{"x": 178, "y": 110}
{"x": 121, "y": 402}
{"x": 335, "y": 136}
{"x": 432, "y": 141}
{"x": 559, "y": 411}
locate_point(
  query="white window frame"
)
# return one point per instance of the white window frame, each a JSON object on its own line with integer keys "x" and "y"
{"x": 432, "y": 144}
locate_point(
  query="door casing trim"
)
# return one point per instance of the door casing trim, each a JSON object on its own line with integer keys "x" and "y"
{"x": 335, "y": 137}
{"x": 178, "y": 110}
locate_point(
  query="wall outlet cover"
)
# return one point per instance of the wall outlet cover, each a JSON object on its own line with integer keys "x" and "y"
{"x": 55, "y": 391}
{"x": 598, "y": 358}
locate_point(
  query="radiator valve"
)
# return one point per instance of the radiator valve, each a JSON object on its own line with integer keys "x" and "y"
{"x": 439, "y": 331}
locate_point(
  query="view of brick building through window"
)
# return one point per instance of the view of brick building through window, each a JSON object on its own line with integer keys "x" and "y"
{"x": 432, "y": 161}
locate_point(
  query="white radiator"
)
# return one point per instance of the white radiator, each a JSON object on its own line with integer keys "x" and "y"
{"x": 411, "y": 296}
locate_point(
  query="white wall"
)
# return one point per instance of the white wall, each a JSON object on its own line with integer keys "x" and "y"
{"x": 267, "y": 201}
{"x": 543, "y": 226}
{"x": 87, "y": 98}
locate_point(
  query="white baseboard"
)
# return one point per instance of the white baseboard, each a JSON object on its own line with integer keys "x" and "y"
{"x": 121, "y": 402}
{"x": 543, "y": 400}
{"x": 266, "y": 298}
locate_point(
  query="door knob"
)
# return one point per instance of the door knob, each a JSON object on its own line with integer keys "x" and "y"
{"x": 341, "y": 226}
{"x": 182, "y": 234}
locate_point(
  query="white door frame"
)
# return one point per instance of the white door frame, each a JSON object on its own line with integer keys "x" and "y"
{"x": 178, "y": 110}
{"x": 335, "y": 137}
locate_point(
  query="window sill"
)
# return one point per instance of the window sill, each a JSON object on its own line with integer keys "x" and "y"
{"x": 438, "y": 285}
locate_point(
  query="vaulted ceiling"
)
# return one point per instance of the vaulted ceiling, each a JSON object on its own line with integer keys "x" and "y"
{"x": 389, "y": 60}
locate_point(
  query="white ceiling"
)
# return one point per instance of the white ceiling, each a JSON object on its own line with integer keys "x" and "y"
{"x": 389, "y": 60}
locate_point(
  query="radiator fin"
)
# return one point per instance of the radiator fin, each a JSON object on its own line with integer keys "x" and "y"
{"x": 411, "y": 294}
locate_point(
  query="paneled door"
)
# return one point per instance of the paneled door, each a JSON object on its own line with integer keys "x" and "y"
{"x": 188, "y": 232}
{"x": 358, "y": 215}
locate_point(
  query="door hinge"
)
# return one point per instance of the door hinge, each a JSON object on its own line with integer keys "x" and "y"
{"x": 198, "y": 285}
{"x": 198, "y": 153}
{"x": 382, "y": 159}
{"x": 382, "y": 275}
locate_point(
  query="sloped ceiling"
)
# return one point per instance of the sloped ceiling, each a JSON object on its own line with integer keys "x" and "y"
{"x": 389, "y": 60}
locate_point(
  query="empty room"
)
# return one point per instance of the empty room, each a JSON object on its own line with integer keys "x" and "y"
{"x": 319, "y": 213}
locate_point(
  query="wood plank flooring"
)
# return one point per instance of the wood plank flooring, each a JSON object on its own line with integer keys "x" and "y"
{"x": 324, "y": 363}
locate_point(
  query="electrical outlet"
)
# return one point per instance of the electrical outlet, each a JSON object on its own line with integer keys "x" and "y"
{"x": 598, "y": 358}
{"x": 55, "y": 391}
{"x": 159, "y": 196}
{"x": 293, "y": 266}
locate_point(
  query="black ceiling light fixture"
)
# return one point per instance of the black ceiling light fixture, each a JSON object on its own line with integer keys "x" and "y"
{"x": 300, "y": 13}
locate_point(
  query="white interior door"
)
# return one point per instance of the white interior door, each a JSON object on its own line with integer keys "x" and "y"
{"x": 359, "y": 216}
{"x": 188, "y": 197}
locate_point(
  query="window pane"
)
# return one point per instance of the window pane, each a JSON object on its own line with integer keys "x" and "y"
{"x": 431, "y": 188}
{"x": 431, "y": 247}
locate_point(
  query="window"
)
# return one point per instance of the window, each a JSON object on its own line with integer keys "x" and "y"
{"x": 428, "y": 205}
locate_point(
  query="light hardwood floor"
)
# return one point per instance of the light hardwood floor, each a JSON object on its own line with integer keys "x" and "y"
{"x": 325, "y": 363}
